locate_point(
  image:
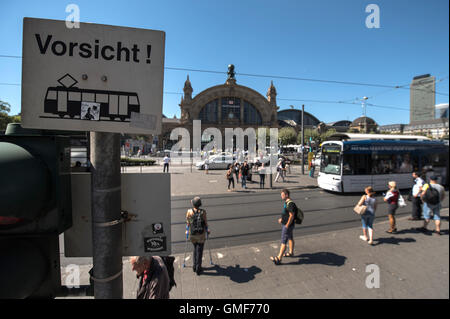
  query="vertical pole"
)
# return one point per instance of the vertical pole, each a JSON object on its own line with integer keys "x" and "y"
{"x": 106, "y": 209}
{"x": 303, "y": 137}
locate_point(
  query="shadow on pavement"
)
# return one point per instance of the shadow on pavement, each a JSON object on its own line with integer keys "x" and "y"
{"x": 392, "y": 241}
{"x": 414, "y": 230}
{"x": 323, "y": 258}
{"x": 236, "y": 273}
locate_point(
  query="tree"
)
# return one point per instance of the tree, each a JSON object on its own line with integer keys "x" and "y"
{"x": 287, "y": 135}
{"x": 5, "y": 108}
{"x": 309, "y": 133}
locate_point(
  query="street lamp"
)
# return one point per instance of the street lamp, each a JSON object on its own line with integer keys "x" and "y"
{"x": 303, "y": 137}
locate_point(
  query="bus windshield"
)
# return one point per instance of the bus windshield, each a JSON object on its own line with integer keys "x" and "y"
{"x": 331, "y": 159}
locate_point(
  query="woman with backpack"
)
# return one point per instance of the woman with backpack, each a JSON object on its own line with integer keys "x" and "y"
{"x": 197, "y": 227}
{"x": 391, "y": 198}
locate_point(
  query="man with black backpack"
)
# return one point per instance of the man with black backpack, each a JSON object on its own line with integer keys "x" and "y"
{"x": 197, "y": 227}
{"x": 290, "y": 216}
{"x": 432, "y": 195}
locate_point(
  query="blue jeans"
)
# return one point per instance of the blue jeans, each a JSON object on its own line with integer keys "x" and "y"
{"x": 367, "y": 220}
{"x": 427, "y": 209}
{"x": 244, "y": 181}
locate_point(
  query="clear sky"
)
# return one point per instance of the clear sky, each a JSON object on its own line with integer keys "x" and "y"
{"x": 320, "y": 39}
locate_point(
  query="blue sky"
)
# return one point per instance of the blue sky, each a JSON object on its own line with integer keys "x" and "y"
{"x": 323, "y": 39}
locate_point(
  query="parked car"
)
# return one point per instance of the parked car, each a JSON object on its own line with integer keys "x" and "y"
{"x": 216, "y": 162}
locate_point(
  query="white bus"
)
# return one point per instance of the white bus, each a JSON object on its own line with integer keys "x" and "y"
{"x": 351, "y": 164}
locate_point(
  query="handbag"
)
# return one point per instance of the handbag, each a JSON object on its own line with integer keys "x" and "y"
{"x": 401, "y": 201}
{"x": 360, "y": 209}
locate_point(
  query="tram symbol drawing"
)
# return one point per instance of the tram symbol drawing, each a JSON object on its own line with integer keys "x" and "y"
{"x": 88, "y": 104}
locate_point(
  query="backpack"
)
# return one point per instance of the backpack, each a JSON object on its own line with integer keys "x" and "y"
{"x": 168, "y": 261}
{"x": 198, "y": 224}
{"x": 431, "y": 196}
{"x": 298, "y": 218}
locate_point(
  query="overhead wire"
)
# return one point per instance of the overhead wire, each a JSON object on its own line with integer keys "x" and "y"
{"x": 350, "y": 102}
{"x": 279, "y": 77}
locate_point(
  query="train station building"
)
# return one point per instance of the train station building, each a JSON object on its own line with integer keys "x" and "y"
{"x": 230, "y": 105}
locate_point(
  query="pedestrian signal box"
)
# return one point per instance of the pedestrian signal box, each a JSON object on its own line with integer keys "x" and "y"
{"x": 35, "y": 208}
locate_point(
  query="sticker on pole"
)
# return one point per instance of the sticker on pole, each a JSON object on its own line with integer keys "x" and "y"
{"x": 92, "y": 78}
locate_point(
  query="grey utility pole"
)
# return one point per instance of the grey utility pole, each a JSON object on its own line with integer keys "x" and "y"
{"x": 303, "y": 138}
{"x": 106, "y": 215}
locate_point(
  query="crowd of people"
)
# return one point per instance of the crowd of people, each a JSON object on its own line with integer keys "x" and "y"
{"x": 426, "y": 201}
{"x": 242, "y": 172}
{"x": 156, "y": 273}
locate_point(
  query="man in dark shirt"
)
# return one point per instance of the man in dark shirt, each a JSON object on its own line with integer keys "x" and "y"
{"x": 287, "y": 232}
{"x": 244, "y": 172}
{"x": 153, "y": 277}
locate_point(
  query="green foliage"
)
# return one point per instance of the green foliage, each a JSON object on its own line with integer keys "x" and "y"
{"x": 127, "y": 161}
{"x": 5, "y": 108}
{"x": 287, "y": 135}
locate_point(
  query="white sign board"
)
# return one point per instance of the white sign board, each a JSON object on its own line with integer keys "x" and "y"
{"x": 95, "y": 78}
{"x": 146, "y": 198}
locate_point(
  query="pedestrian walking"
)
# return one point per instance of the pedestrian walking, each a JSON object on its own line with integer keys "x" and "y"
{"x": 236, "y": 171}
{"x": 279, "y": 170}
{"x": 432, "y": 195}
{"x": 197, "y": 226}
{"x": 288, "y": 216}
{"x": 229, "y": 176}
{"x": 416, "y": 200}
{"x": 166, "y": 162}
{"x": 154, "y": 281}
{"x": 392, "y": 196}
{"x": 262, "y": 175}
{"x": 244, "y": 174}
{"x": 206, "y": 166}
{"x": 368, "y": 217}
{"x": 311, "y": 169}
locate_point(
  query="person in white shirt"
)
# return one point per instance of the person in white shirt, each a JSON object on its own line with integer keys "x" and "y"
{"x": 166, "y": 161}
{"x": 416, "y": 201}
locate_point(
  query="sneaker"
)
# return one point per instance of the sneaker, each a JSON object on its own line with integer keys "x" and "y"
{"x": 363, "y": 238}
{"x": 370, "y": 242}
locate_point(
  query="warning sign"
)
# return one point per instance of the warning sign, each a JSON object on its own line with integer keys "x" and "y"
{"x": 93, "y": 78}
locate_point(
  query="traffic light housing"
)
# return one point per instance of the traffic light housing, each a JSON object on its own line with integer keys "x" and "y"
{"x": 35, "y": 208}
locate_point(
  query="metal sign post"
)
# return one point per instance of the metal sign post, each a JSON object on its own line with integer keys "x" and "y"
{"x": 303, "y": 137}
{"x": 105, "y": 80}
{"x": 106, "y": 215}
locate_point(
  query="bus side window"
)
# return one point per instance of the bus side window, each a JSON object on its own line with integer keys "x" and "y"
{"x": 348, "y": 166}
{"x": 362, "y": 164}
{"x": 406, "y": 165}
